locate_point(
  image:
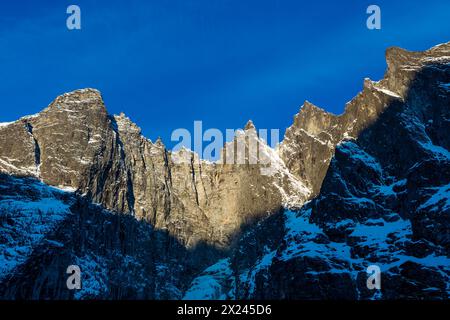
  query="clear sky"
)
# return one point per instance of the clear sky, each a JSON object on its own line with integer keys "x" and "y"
{"x": 166, "y": 63}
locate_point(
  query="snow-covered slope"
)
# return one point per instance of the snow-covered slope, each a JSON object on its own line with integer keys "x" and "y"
{"x": 383, "y": 200}
{"x": 44, "y": 230}
{"x": 28, "y": 211}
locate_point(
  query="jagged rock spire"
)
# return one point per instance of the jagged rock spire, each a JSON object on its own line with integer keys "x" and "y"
{"x": 249, "y": 126}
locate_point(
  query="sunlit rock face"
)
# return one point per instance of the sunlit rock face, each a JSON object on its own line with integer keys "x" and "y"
{"x": 310, "y": 142}
{"x": 302, "y": 220}
{"x": 75, "y": 143}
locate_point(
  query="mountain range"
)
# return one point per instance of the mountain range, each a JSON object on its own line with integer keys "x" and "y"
{"x": 79, "y": 186}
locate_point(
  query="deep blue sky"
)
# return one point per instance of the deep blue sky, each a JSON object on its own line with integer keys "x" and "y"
{"x": 168, "y": 63}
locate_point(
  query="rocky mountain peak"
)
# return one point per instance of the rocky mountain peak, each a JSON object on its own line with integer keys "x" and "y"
{"x": 316, "y": 132}
{"x": 403, "y": 65}
{"x": 159, "y": 142}
{"x": 81, "y": 100}
{"x": 313, "y": 119}
{"x": 377, "y": 177}
{"x": 125, "y": 125}
{"x": 368, "y": 83}
{"x": 249, "y": 125}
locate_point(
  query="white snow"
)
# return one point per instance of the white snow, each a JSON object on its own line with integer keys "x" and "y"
{"x": 94, "y": 277}
{"x": 30, "y": 116}
{"x": 417, "y": 129}
{"x": 295, "y": 224}
{"x": 382, "y": 237}
{"x": 438, "y": 151}
{"x": 439, "y": 60}
{"x": 27, "y": 221}
{"x": 445, "y": 86}
{"x": 374, "y": 232}
{"x": 210, "y": 284}
{"x": 439, "y": 201}
{"x": 387, "y": 92}
{"x": 249, "y": 276}
{"x": 66, "y": 188}
{"x": 301, "y": 234}
{"x": 5, "y": 124}
{"x": 388, "y": 190}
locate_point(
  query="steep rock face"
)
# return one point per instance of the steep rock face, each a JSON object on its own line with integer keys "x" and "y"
{"x": 310, "y": 142}
{"x": 72, "y": 144}
{"x": 197, "y": 200}
{"x": 19, "y": 154}
{"x": 44, "y": 230}
{"x": 377, "y": 177}
{"x": 384, "y": 199}
{"x": 75, "y": 143}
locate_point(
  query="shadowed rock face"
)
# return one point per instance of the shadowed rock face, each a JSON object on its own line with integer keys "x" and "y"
{"x": 75, "y": 143}
{"x": 43, "y": 230}
{"x": 377, "y": 177}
